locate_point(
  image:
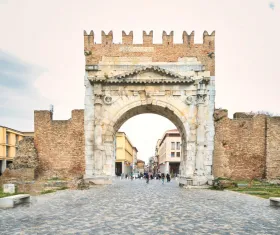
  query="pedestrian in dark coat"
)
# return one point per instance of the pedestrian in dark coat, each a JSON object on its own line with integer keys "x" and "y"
{"x": 168, "y": 177}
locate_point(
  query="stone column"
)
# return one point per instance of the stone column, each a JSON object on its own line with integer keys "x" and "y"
{"x": 3, "y": 166}
{"x": 123, "y": 168}
{"x": 199, "y": 174}
{"x": 95, "y": 150}
{"x": 88, "y": 128}
{"x": 210, "y": 130}
{"x": 110, "y": 159}
{"x": 187, "y": 163}
{"x": 97, "y": 140}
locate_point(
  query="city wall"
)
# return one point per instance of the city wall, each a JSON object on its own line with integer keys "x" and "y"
{"x": 273, "y": 148}
{"x": 246, "y": 146}
{"x": 60, "y": 145}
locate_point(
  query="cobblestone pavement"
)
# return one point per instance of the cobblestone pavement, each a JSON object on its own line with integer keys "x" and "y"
{"x": 133, "y": 207}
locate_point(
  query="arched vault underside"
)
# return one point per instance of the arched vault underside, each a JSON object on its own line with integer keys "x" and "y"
{"x": 186, "y": 98}
{"x": 166, "y": 112}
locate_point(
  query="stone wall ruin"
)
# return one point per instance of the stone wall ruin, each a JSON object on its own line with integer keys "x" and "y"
{"x": 247, "y": 146}
{"x": 60, "y": 145}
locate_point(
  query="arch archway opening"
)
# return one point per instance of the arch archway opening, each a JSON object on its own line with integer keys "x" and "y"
{"x": 151, "y": 109}
{"x": 124, "y": 167}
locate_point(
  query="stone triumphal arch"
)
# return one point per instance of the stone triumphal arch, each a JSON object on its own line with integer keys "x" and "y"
{"x": 173, "y": 80}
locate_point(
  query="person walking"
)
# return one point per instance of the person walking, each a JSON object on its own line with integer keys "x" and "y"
{"x": 147, "y": 178}
{"x": 162, "y": 178}
{"x": 168, "y": 177}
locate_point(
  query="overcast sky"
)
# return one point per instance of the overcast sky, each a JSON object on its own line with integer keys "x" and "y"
{"x": 42, "y": 60}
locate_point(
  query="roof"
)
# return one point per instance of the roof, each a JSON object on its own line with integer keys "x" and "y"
{"x": 173, "y": 131}
{"x": 21, "y": 132}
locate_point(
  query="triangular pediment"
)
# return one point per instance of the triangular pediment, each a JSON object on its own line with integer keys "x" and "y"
{"x": 145, "y": 74}
{"x": 150, "y": 72}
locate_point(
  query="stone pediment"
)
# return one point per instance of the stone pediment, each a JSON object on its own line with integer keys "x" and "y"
{"x": 146, "y": 74}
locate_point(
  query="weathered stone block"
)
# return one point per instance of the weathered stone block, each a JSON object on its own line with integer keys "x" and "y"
{"x": 9, "y": 188}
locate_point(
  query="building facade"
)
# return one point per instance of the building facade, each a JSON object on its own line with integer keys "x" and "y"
{"x": 9, "y": 140}
{"x": 125, "y": 155}
{"x": 156, "y": 158}
{"x": 134, "y": 166}
{"x": 140, "y": 166}
{"x": 170, "y": 152}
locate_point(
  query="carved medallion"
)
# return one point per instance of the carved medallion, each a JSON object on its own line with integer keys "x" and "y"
{"x": 189, "y": 100}
{"x": 108, "y": 99}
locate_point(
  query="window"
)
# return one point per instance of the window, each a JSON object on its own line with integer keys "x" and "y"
{"x": 178, "y": 145}
{"x": 178, "y": 154}
{"x": 172, "y": 154}
{"x": 16, "y": 139}
{"x": 172, "y": 145}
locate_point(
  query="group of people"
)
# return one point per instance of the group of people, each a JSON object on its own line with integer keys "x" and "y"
{"x": 158, "y": 177}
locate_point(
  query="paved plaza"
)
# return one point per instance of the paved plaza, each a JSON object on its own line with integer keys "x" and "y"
{"x": 133, "y": 207}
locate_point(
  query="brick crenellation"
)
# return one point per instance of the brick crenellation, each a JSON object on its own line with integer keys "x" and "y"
{"x": 167, "y": 39}
{"x": 167, "y": 51}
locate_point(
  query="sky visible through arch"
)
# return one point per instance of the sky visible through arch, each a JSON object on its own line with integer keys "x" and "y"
{"x": 144, "y": 130}
{"x": 42, "y": 60}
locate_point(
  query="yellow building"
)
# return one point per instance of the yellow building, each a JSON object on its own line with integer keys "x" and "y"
{"x": 9, "y": 139}
{"x": 140, "y": 166}
{"x": 125, "y": 155}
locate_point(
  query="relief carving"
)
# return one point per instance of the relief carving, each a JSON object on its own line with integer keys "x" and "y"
{"x": 98, "y": 99}
{"x": 201, "y": 98}
{"x": 189, "y": 100}
{"x": 108, "y": 99}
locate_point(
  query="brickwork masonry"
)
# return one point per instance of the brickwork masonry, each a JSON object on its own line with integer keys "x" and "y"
{"x": 168, "y": 51}
{"x": 60, "y": 145}
{"x": 246, "y": 146}
{"x": 273, "y": 148}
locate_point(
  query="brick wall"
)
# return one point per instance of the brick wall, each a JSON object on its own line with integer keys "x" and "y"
{"x": 60, "y": 145}
{"x": 242, "y": 150}
{"x": 165, "y": 52}
{"x": 240, "y": 146}
{"x": 273, "y": 148}
{"x": 26, "y": 155}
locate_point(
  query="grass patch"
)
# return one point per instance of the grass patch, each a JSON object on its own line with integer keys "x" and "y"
{"x": 54, "y": 179}
{"x": 2, "y": 194}
{"x": 53, "y": 190}
{"x": 48, "y": 191}
{"x": 258, "y": 188}
{"x": 62, "y": 188}
{"x": 252, "y": 187}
